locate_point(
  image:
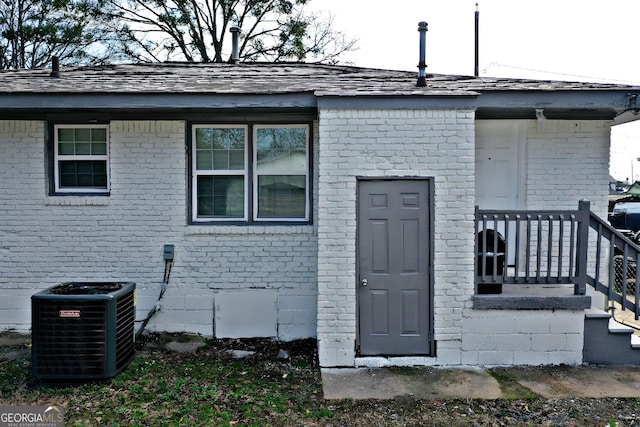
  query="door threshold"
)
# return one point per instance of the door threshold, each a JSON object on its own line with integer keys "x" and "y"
{"x": 394, "y": 361}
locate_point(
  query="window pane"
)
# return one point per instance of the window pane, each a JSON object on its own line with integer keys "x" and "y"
{"x": 83, "y": 148}
{"x": 82, "y": 141}
{"x": 220, "y": 148}
{"x": 220, "y": 159}
{"x": 66, "y": 148}
{"x": 99, "y": 135}
{"x": 236, "y": 159}
{"x": 82, "y": 134}
{"x": 282, "y": 196}
{"x": 282, "y": 149}
{"x": 84, "y": 174}
{"x": 220, "y": 196}
{"x": 204, "y": 140}
{"x": 65, "y": 135}
{"x": 98, "y": 148}
{"x": 204, "y": 160}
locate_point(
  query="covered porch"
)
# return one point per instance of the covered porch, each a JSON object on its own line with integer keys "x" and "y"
{"x": 535, "y": 259}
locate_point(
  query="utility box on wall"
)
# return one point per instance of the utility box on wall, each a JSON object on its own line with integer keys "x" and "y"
{"x": 82, "y": 330}
{"x": 247, "y": 313}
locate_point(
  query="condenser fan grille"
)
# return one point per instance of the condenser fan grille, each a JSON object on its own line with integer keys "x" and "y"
{"x": 124, "y": 332}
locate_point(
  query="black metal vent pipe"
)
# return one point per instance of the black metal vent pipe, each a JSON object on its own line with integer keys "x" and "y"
{"x": 422, "y": 76}
{"x": 55, "y": 67}
{"x": 476, "y": 68}
{"x": 235, "y": 35}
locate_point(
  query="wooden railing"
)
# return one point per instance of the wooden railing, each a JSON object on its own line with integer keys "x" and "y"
{"x": 557, "y": 247}
{"x": 617, "y": 280}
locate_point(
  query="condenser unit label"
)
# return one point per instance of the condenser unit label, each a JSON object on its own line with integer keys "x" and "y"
{"x": 69, "y": 313}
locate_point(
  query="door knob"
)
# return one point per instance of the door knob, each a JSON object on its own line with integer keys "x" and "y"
{"x": 364, "y": 282}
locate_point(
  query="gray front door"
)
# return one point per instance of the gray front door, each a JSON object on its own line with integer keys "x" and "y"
{"x": 394, "y": 273}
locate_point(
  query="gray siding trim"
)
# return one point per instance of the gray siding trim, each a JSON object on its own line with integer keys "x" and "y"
{"x": 557, "y": 105}
{"x": 280, "y": 115}
{"x": 507, "y": 104}
{"x": 153, "y": 101}
{"x": 520, "y": 302}
{"x": 449, "y": 102}
{"x": 549, "y": 113}
{"x": 557, "y": 99}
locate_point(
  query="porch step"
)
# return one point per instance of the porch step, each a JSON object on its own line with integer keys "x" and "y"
{"x": 608, "y": 342}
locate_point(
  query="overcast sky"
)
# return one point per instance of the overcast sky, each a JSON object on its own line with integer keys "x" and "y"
{"x": 578, "y": 39}
{"x": 575, "y": 40}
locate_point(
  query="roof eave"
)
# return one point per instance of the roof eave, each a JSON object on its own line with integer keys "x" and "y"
{"x": 560, "y": 105}
{"x": 153, "y": 101}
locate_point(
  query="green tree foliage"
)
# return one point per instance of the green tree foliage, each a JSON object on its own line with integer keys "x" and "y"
{"x": 33, "y": 31}
{"x": 198, "y": 30}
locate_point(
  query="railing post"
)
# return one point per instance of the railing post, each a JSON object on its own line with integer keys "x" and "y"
{"x": 584, "y": 212}
{"x": 475, "y": 249}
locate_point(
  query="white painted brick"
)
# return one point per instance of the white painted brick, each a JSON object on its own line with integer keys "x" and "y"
{"x": 392, "y": 143}
{"x": 530, "y": 357}
{"x": 473, "y": 342}
{"x": 336, "y": 351}
{"x": 534, "y": 337}
{"x": 492, "y": 358}
{"x": 516, "y": 342}
{"x": 120, "y": 237}
{"x": 567, "y": 322}
{"x": 553, "y": 149}
{"x": 548, "y": 342}
{"x": 47, "y": 240}
{"x": 565, "y": 357}
{"x": 469, "y": 358}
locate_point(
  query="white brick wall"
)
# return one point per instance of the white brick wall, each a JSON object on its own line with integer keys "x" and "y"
{"x": 47, "y": 240}
{"x": 22, "y": 174}
{"x": 567, "y": 161}
{"x": 522, "y": 337}
{"x": 393, "y": 143}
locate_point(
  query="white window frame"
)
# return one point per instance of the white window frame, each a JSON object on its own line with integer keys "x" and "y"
{"x": 213, "y": 172}
{"x": 257, "y": 173}
{"x": 250, "y": 174}
{"x": 57, "y": 158}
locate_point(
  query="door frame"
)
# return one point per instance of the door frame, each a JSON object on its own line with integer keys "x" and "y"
{"x": 518, "y": 130}
{"x": 430, "y": 182}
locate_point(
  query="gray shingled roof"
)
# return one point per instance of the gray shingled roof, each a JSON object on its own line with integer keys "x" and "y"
{"x": 176, "y": 89}
{"x": 266, "y": 78}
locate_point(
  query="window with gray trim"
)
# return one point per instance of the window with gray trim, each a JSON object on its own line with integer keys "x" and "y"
{"x": 81, "y": 158}
{"x": 250, "y": 173}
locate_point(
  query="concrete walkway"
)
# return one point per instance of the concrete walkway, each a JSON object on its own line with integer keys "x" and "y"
{"x": 436, "y": 383}
{"x": 495, "y": 383}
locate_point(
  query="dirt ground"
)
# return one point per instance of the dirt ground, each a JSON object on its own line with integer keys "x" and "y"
{"x": 533, "y": 410}
{"x": 299, "y": 391}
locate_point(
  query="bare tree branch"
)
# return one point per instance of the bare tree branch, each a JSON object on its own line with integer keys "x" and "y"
{"x": 35, "y": 30}
{"x": 196, "y": 30}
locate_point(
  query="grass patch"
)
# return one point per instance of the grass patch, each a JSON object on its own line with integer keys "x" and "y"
{"x": 211, "y": 388}
{"x": 166, "y": 388}
{"x": 511, "y": 388}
